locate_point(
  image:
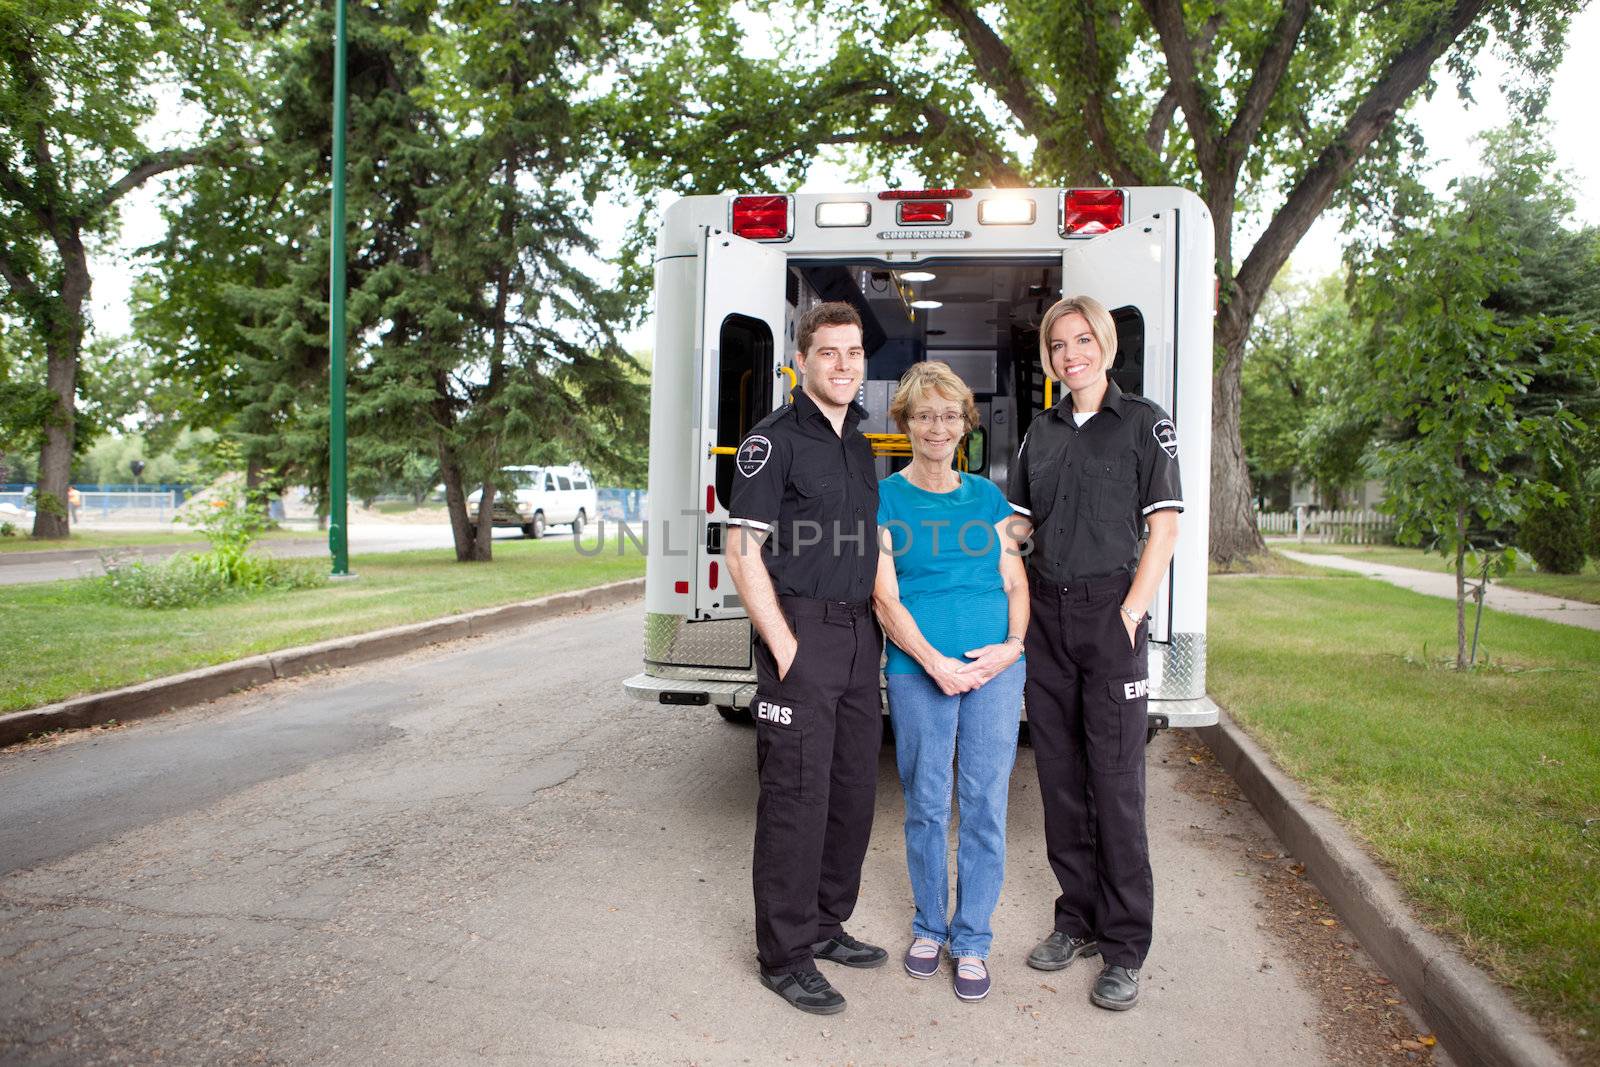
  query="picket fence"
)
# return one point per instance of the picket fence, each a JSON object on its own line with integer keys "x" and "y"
{"x": 1329, "y": 527}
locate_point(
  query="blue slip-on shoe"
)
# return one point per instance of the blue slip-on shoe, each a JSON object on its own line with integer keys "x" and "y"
{"x": 972, "y": 980}
{"x": 922, "y": 958}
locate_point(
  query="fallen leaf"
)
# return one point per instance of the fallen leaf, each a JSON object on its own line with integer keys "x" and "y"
{"x": 1047, "y": 987}
{"x": 1414, "y": 1046}
{"x": 1428, "y": 1040}
{"x": 1328, "y": 922}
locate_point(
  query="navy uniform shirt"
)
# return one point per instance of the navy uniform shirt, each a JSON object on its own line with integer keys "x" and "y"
{"x": 817, "y": 494}
{"x": 1087, "y": 489}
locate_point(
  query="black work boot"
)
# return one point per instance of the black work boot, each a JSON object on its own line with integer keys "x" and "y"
{"x": 1058, "y": 950}
{"x": 806, "y": 990}
{"x": 1117, "y": 988}
{"x": 846, "y": 950}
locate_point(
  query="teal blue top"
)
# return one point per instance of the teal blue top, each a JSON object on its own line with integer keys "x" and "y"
{"x": 947, "y": 562}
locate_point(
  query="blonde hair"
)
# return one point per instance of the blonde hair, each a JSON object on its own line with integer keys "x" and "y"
{"x": 933, "y": 376}
{"x": 1101, "y": 325}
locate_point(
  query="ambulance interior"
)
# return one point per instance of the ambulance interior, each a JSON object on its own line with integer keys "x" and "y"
{"x": 979, "y": 316}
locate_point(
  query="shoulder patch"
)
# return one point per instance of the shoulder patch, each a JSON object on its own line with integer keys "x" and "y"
{"x": 753, "y": 455}
{"x": 1166, "y": 435}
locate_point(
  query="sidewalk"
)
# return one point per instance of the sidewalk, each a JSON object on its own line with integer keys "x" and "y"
{"x": 1438, "y": 583}
{"x": 17, "y": 568}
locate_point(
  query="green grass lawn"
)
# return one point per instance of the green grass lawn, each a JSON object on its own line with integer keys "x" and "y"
{"x": 1585, "y": 586}
{"x": 109, "y": 539}
{"x": 1480, "y": 791}
{"x": 59, "y": 639}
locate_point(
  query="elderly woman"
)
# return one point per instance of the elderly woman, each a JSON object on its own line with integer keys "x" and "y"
{"x": 952, "y": 596}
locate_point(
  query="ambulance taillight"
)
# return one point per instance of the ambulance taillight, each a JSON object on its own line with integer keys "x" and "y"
{"x": 1085, "y": 212}
{"x": 923, "y": 212}
{"x": 763, "y": 218}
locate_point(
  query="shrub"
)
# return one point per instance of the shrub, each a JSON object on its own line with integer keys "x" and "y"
{"x": 189, "y": 580}
{"x": 177, "y": 582}
{"x": 1553, "y": 534}
{"x": 8, "y": 529}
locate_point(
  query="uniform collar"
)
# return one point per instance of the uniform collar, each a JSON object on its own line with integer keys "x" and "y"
{"x": 806, "y": 408}
{"x": 1115, "y": 401}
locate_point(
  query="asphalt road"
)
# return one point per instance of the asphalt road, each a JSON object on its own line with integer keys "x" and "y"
{"x": 485, "y": 853}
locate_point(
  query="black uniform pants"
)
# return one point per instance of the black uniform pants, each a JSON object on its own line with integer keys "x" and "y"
{"x": 1086, "y": 699}
{"x": 818, "y": 732}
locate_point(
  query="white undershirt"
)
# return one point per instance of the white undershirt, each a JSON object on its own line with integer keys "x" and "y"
{"x": 1081, "y": 417}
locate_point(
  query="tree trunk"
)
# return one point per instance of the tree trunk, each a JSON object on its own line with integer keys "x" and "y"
{"x": 63, "y": 348}
{"x": 483, "y": 536}
{"x": 462, "y": 531}
{"x": 1461, "y": 586}
{"x": 1234, "y": 536}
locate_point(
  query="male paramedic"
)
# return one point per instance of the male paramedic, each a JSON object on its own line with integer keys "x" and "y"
{"x": 1092, "y": 471}
{"x": 802, "y": 548}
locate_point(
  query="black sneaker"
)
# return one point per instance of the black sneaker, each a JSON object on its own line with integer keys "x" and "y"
{"x": 846, "y": 950}
{"x": 1058, "y": 950}
{"x": 806, "y": 990}
{"x": 1117, "y": 988}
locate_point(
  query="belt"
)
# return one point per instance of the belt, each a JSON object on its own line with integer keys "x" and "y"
{"x": 827, "y": 610}
{"x": 1081, "y": 587}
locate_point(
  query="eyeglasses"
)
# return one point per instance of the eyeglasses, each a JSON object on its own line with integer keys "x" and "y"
{"x": 928, "y": 418}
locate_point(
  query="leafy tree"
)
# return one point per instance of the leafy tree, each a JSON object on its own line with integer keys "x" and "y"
{"x": 1301, "y": 348}
{"x": 476, "y": 332}
{"x": 76, "y": 89}
{"x": 1449, "y": 364}
{"x": 1272, "y": 112}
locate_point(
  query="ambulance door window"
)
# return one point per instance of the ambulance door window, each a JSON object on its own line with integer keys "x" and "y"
{"x": 744, "y": 388}
{"x": 1128, "y": 370}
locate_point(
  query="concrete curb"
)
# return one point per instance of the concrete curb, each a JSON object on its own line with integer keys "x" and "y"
{"x": 196, "y": 687}
{"x": 1472, "y": 1016}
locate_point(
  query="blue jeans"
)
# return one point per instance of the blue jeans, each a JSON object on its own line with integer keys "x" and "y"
{"x": 969, "y": 741}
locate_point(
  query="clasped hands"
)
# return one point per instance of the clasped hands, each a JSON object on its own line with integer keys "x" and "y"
{"x": 954, "y": 677}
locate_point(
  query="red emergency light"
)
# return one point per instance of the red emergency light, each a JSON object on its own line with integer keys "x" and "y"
{"x": 923, "y": 212}
{"x": 1090, "y": 211}
{"x": 925, "y": 194}
{"x": 711, "y": 575}
{"x": 763, "y": 218}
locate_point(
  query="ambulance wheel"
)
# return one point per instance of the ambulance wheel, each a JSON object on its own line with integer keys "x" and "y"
{"x": 534, "y": 528}
{"x": 1150, "y": 733}
{"x": 577, "y": 525}
{"x": 737, "y": 716}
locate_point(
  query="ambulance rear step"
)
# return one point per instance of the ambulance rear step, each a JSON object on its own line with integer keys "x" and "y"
{"x": 700, "y": 691}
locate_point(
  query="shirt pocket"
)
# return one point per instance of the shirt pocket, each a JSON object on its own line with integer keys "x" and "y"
{"x": 1113, "y": 492}
{"x": 1043, "y": 481}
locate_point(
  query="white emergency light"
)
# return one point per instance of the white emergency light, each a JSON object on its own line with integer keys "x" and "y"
{"x": 844, "y": 213}
{"x": 1006, "y": 211}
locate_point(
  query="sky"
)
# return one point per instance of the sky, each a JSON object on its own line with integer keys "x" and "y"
{"x": 1448, "y": 123}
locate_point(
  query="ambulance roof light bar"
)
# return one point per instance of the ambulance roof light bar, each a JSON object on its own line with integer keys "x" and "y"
{"x": 1086, "y": 212}
{"x": 762, "y": 218}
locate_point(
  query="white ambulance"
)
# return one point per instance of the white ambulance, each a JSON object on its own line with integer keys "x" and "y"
{"x": 959, "y": 275}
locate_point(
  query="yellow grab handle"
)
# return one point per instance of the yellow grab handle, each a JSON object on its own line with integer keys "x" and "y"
{"x": 794, "y": 380}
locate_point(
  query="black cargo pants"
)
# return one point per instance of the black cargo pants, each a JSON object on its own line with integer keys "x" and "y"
{"x": 1086, "y": 699}
{"x": 818, "y": 732}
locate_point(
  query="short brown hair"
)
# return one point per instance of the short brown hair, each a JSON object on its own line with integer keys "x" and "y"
{"x": 1101, "y": 325}
{"x": 932, "y": 377}
{"x": 832, "y": 313}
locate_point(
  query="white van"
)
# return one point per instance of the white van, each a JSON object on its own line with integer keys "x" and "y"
{"x": 542, "y": 497}
{"x": 959, "y": 275}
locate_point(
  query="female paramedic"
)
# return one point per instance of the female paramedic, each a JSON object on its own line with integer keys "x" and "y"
{"x": 952, "y": 596}
{"x": 1091, "y": 472}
